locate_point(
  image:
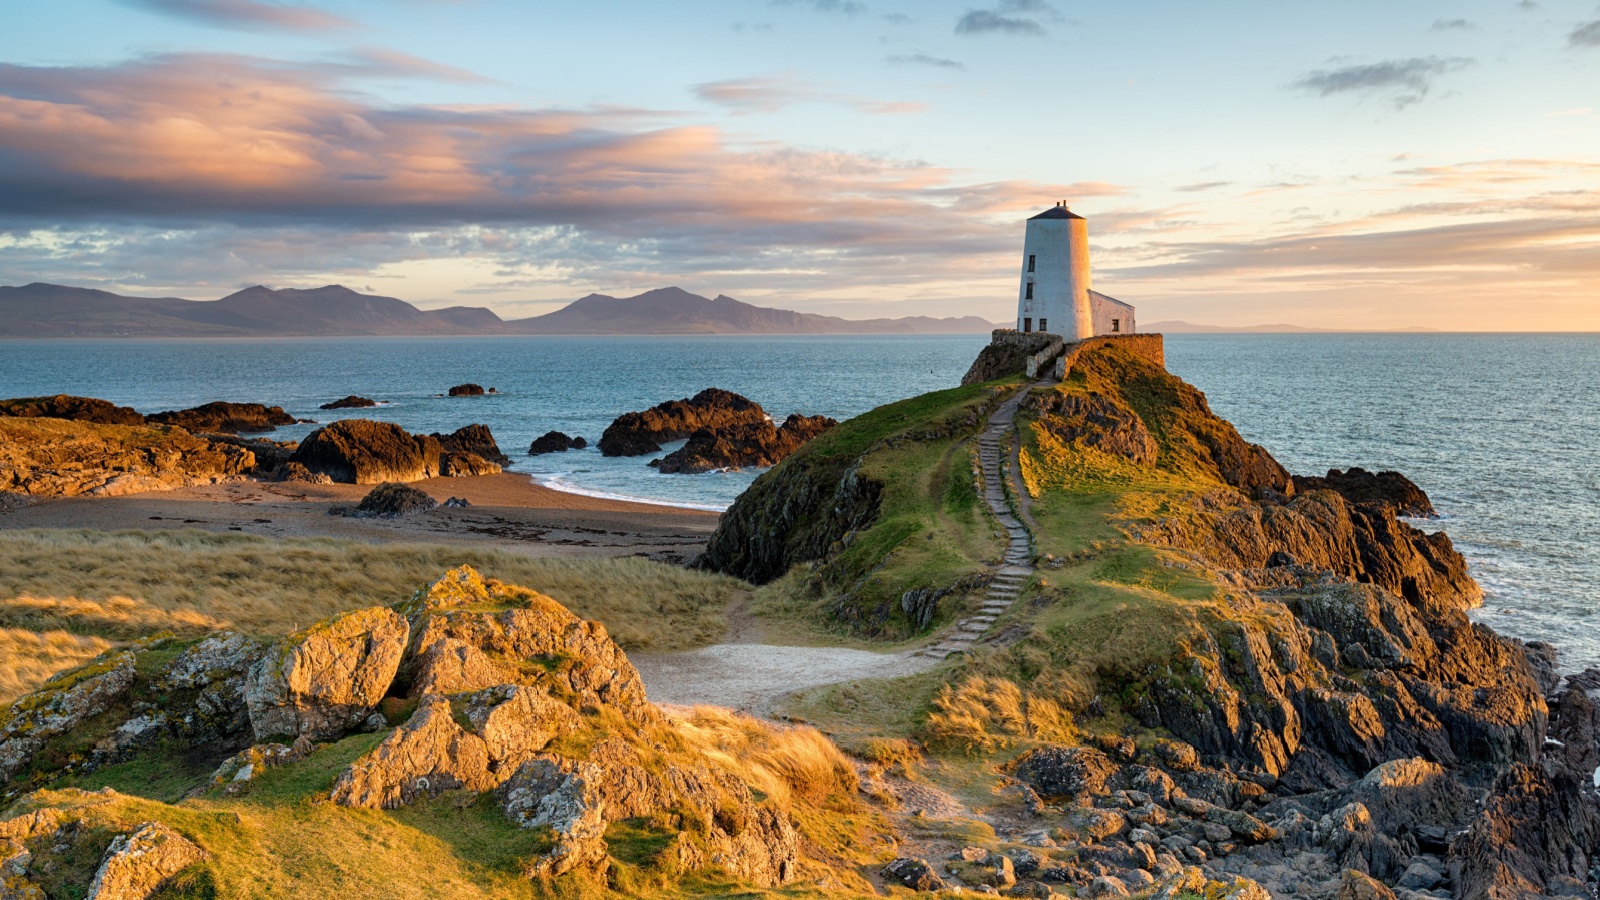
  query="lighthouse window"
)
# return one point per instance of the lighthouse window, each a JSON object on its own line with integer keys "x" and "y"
{"x": 1031, "y": 258}
{"x": 1116, "y": 325}
{"x": 1029, "y": 294}
{"x": 1043, "y": 326}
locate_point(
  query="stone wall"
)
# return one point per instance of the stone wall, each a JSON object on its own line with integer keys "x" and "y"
{"x": 1149, "y": 347}
{"x": 1007, "y": 354}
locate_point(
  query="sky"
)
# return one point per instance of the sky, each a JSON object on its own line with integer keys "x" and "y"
{"x": 1351, "y": 164}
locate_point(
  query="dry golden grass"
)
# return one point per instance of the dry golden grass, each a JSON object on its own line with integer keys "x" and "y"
{"x": 28, "y": 658}
{"x": 987, "y": 714}
{"x": 122, "y": 585}
{"x": 786, "y": 763}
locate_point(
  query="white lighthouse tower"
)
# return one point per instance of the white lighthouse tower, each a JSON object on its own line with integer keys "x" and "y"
{"x": 1056, "y": 296}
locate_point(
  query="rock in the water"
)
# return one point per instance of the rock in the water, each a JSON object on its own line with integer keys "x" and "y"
{"x": 638, "y": 433}
{"x": 360, "y": 451}
{"x": 66, "y": 406}
{"x": 225, "y": 417}
{"x": 137, "y": 864}
{"x": 46, "y": 457}
{"x": 913, "y": 873}
{"x": 555, "y": 442}
{"x": 1357, "y": 486}
{"x": 326, "y": 680}
{"x": 350, "y": 402}
{"x": 747, "y": 444}
{"x": 391, "y": 501}
{"x": 467, "y": 390}
{"x": 473, "y": 439}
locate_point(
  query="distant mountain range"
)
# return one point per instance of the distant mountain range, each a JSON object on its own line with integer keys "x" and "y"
{"x": 1179, "y": 327}
{"x": 52, "y": 310}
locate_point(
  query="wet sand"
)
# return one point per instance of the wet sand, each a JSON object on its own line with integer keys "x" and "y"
{"x": 508, "y": 511}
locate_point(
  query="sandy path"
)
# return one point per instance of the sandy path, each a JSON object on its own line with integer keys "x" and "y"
{"x": 753, "y": 677}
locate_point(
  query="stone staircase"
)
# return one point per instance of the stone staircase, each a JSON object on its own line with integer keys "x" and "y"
{"x": 1013, "y": 574}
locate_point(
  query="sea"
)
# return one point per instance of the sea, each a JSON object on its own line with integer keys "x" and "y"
{"x": 1502, "y": 431}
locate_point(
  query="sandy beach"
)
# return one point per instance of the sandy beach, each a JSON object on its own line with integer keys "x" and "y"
{"x": 508, "y": 511}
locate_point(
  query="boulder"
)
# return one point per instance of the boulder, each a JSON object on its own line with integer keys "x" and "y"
{"x": 638, "y": 433}
{"x": 461, "y": 465}
{"x": 473, "y": 439}
{"x": 350, "y": 402}
{"x": 467, "y": 390}
{"x": 222, "y": 416}
{"x": 429, "y": 754}
{"x": 913, "y": 873}
{"x": 136, "y": 865}
{"x": 1076, "y": 774}
{"x": 555, "y": 442}
{"x": 77, "y": 409}
{"x": 327, "y": 679}
{"x": 390, "y": 501}
{"x": 361, "y": 451}
{"x": 1357, "y": 885}
{"x": 46, "y": 457}
{"x": 296, "y": 473}
{"x": 61, "y": 705}
{"x": 741, "y": 445}
{"x": 470, "y": 634}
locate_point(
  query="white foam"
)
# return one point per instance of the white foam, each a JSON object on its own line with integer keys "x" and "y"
{"x": 556, "y": 482}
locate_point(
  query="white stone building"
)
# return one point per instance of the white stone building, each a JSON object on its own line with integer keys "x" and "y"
{"x": 1055, "y": 296}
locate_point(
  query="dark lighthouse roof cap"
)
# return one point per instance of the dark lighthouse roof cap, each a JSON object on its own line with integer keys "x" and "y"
{"x": 1059, "y": 211}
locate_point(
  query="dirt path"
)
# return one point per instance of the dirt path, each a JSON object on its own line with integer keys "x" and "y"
{"x": 754, "y": 677}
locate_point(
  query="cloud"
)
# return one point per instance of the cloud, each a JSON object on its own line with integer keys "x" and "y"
{"x": 742, "y": 27}
{"x": 898, "y": 19}
{"x": 1452, "y": 25}
{"x": 844, "y": 7}
{"x": 1405, "y": 81}
{"x": 923, "y": 59}
{"x": 384, "y": 62}
{"x": 1203, "y": 186}
{"x": 248, "y": 14}
{"x": 1585, "y": 35}
{"x": 771, "y": 94}
{"x": 1016, "y": 17}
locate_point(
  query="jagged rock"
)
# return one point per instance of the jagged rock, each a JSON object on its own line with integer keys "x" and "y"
{"x": 474, "y": 440}
{"x": 1104, "y": 886}
{"x": 1357, "y": 486}
{"x": 544, "y": 794}
{"x": 461, "y": 465}
{"x": 913, "y": 873}
{"x": 638, "y": 433}
{"x": 222, "y": 416}
{"x": 1534, "y": 831}
{"x": 350, "y": 402}
{"x": 390, "y": 501}
{"x": 136, "y": 865}
{"x": 1357, "y": 885}
{"x": 77, "y": 409}
{"x": 294, "y": 472}
{"x": 360, "y": 451}
{"x": 470, "y": 635}
{"x": 741, "y": 445}
{"x": 555, "y": 442}
{"x": 1076, "y": 774}
{"x": 429, "y": 754}
{"x": 1096, "y": 824}
{"x": 1094, "y": 421}
{"x": 45, "y": 457}
{"x": 325, "y": 680}
{"x": 60, "y": 705}
{"x": 467, "y": 390}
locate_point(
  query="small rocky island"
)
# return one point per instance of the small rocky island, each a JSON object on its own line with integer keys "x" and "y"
{"x": 724, "y": 431}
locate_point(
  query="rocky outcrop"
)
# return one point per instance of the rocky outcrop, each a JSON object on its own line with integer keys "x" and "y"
{"x": 361, "y": 451}
{"x": 44, "y": 457}
{"x": 325, "y": 680}
{"x": 295, "y": 473}
{"x": 59, "y": 706}
{"x": 350, "y": 402}
{"x": 475, "y": 440}
{"x": 1358, "y": 486}
{"x": 1006, "y": 355}
{"x": 462, "y": 465}
{"x": 638, "y": 433}
{"x": 467, "y": 390}
{"x": 220, "y": 416}
{"x": 1094, "y": 421}
{"x": 555, "y": 442}
{"x": 76, "y": 409}
{"x": 388, "y": 501}
{"x": 137, "y": 864}
{"x": 752, "y": 444}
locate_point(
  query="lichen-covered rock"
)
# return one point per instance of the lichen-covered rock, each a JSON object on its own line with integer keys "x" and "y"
{"x": 136, "y": 865}
{"x": 913, "y": 873}
{"x": 361, "y": 451}
{"x": 471, "y": 635}
{"x": 544, "y": 793}
{"x": 325, "y": 680}
{"x": 516, "y": 721}
{"x": 429, "y": 754}
{"x": 638, "y": 433}
{"x": 250, "y": 762}
{"x": 59, "y": 705}
{"x": 1076, "y": 774}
